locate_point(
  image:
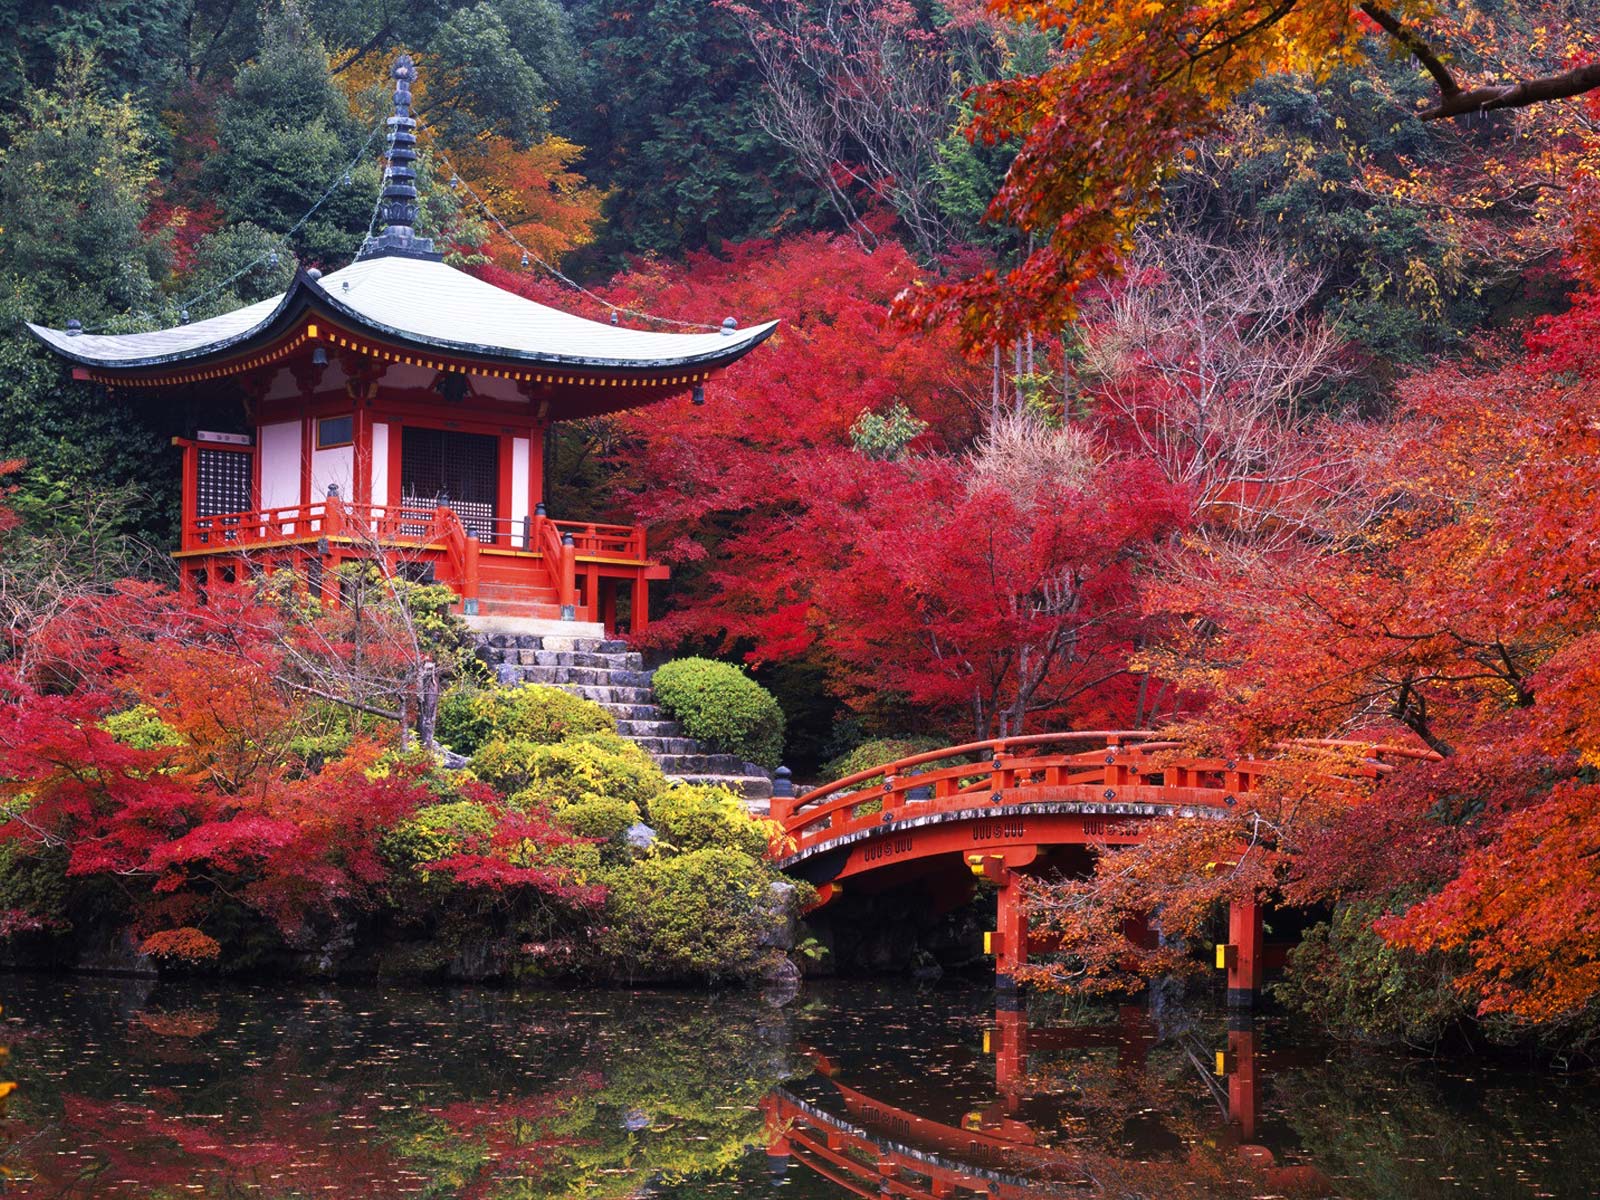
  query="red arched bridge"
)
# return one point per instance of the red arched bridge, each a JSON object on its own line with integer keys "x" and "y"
{"x": 872, "y": 1146}
{"x": 1028, "y": 805}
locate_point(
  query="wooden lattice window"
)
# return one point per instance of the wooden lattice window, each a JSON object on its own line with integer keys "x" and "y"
{"x": 445, "y": 465}
{"x": 223, "y": 482}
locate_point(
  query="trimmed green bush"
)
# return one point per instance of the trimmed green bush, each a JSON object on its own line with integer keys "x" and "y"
{"x": 703, "y": 915}
{"x": 720, "y": 705}
{"x": 594, "y": 767}
{"x": 689, "y": 818}
{"x": 876, "y": 752}
{"x": 1350, "y": 981}
{"x": 534, "y": 713}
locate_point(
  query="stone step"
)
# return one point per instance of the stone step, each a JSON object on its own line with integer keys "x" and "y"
{"x": 624, "y": 702}
{"x": 585, "y": 676}
{"x": 633, "y": 661}
{"x": 661, "y": 746}
{"x": 648, "y": 729}
{"x": 756, "y": 789}
{"x": 703, "y": 763}
{"x": 622, "y": 712}
{"x": 586, "y": 645}
{"x": 606, "y": 694}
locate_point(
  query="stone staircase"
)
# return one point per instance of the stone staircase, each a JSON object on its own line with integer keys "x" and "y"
{"x": 586, "y": 664}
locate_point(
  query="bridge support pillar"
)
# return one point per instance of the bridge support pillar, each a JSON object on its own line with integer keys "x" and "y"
{"x": 1009, "y": 1046}
{"x": 1241, "y": 1064}
{"x": 1246, "y": 943}
{"x": 1011, "y": 931}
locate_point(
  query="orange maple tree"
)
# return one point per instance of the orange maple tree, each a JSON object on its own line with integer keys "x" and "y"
{"x": 1134, "y": 82}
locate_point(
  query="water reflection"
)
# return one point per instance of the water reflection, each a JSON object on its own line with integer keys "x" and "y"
{"x": 132, "y": 1090}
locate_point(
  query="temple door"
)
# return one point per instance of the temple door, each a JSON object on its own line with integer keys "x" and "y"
{"x": 446, "y": 465}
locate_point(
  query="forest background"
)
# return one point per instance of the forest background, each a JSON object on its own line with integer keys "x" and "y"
{"x": 1243, "y": 401}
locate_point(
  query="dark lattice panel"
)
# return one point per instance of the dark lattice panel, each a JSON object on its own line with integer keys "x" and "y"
{"x": 223, "y": 485}
{"x": 465, "y": 467}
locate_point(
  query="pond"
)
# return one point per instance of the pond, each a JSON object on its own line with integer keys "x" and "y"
{"x": 127, "y": 1088}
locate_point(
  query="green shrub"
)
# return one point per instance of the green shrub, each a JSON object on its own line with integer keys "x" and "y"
{"x": 594, "y": 767}
{"x": 704, "y": 915}
{"x": 469, "y": 720}
{"x": 142, "y": 728}
{"x": 689, "y": 818}
{"x": 600, "y": 817}
{"x": 435, "y": 832}
{"x": 1353, "y": 983}
{"x": 719, "y": 704}
{"x": 35, "y": 886}
{"x": 876, "y": 752}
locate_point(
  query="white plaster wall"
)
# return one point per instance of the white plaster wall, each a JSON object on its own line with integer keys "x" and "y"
{"x": 333, "y": 466}
{"x": 380, "y": 463}
{"x": 519, "y": 483}
{"x": 280, "y": 464}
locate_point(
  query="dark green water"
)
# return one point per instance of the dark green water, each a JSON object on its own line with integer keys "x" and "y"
{"x": 133, "y": 1090}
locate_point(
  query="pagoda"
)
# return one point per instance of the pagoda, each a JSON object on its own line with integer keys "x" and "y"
{"x": 397, "y": 409}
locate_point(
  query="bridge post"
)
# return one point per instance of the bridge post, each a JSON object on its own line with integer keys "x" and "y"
{"x": 1009, "y": 1047}
{"x": 1011, "y": 931}
{"x": 1241, "y": 1064}
{"x": 1243, "y": 953}
{"x": 777, "y": 1129}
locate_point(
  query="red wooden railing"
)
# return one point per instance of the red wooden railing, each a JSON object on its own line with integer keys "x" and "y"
{"x": 1127, "y": 766}
{"x": 413, "y": 525}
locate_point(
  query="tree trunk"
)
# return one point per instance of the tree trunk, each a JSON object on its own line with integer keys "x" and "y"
{"x": 427, "y": 703}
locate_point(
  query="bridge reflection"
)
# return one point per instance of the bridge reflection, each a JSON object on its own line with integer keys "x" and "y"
{"x": 1016, "y": 1148}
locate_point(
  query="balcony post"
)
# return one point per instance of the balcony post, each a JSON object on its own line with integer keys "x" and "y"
{"x": 469, "y": 582}
{"x": 567, "y": 584}
{"x": 333, "y": 513}
{"x": 640, "y": 617}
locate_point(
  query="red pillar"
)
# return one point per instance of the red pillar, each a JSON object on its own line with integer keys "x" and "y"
{"x": 1245, "y": 945}
{"x": 777, "y": 1129}
{"x": 1242, "y": 1081}
{"x": 1009, "y": 1040}
{"x": 641, "y": 604}
{"x": 1011, "y": 931}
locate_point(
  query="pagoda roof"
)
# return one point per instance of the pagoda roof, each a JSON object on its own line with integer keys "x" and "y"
{"x": 414, "y": 302}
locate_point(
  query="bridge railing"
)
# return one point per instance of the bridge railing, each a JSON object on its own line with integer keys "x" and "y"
{"x": 1109, "y": 766}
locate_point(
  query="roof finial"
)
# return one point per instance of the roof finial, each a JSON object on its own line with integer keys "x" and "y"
{"x": 400, "y": 180}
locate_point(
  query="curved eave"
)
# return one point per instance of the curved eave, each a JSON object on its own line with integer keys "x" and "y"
{"x": 305, "y": 295}
{"x": 231, "y": 345}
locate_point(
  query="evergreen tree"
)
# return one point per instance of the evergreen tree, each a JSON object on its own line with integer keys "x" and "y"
{"x": 73, "y": 181}
{"x": 673, "y": 130}
{"x": 138, "y": 43}
{"x": 482, "y": 84}
{"x": 286, "y": 135}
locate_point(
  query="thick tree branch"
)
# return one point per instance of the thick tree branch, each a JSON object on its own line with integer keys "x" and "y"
{"x": 1524, "y": 92}
{"x": 1453, "y": 102}
{"x": 1416, "y": 47}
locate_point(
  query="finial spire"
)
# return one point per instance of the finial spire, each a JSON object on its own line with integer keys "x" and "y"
{"x": 400, "y": 178}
